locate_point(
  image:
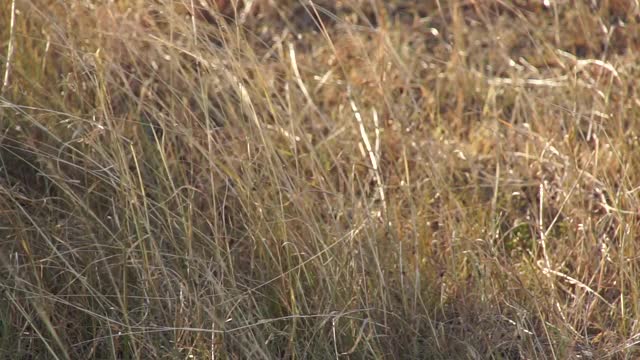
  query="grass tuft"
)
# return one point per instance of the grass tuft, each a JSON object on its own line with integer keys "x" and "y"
{"x": 293, "y": 179}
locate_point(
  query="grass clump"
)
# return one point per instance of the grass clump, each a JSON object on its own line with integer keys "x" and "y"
{"x": 290, "y": 179}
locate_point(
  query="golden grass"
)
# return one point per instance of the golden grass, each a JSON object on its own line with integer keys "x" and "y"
{"x": 366, "y": 179}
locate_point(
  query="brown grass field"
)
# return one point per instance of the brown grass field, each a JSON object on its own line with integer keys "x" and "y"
{"x": 286, "y": 179}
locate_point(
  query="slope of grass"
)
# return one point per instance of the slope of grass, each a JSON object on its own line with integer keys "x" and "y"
{"x": 365, "y": 179}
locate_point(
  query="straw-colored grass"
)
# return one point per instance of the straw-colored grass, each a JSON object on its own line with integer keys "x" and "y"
{"x": 295, "y": 180}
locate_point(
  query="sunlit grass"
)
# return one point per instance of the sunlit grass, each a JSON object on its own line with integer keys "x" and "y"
{"x": 371, "y": 179}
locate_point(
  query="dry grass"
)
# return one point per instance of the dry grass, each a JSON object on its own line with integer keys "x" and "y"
{"x": 362, "y": 179}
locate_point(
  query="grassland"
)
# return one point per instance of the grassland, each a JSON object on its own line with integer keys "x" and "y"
{"x": 360, "y": 179}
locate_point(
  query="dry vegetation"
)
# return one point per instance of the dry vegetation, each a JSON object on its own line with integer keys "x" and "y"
{"x": 339, "y": 179}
